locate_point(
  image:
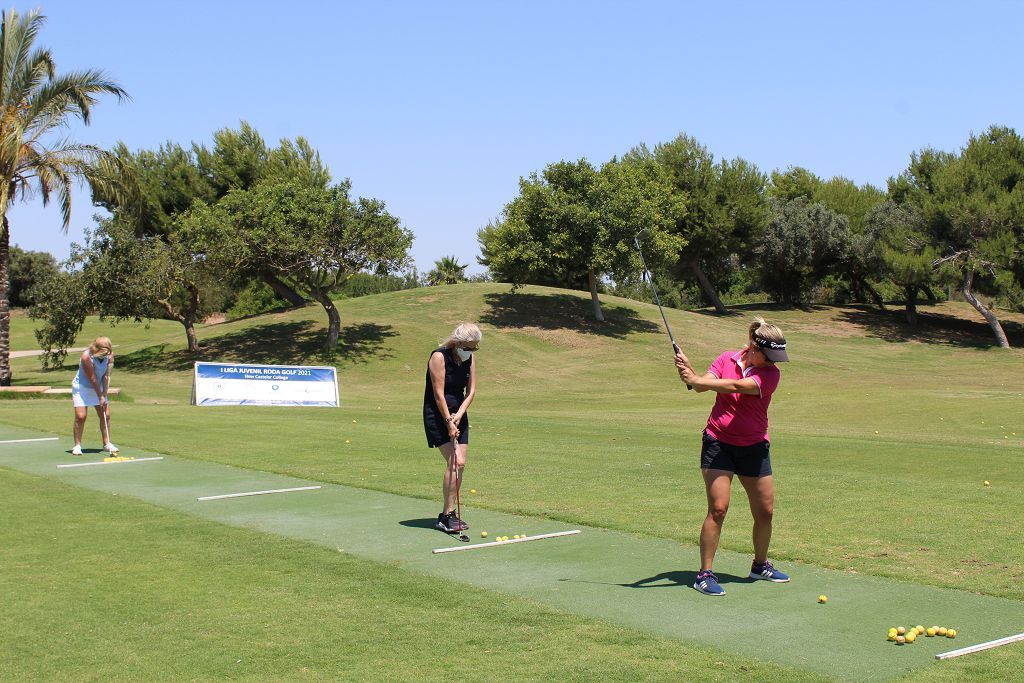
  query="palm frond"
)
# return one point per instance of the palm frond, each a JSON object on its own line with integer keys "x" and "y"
{"x": 31, "y": 75}
{"x": 19, "y": 33}
{"x": 72, "y": 94}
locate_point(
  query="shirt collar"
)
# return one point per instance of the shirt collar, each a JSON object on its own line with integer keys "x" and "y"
{"x": 736, "y": 357}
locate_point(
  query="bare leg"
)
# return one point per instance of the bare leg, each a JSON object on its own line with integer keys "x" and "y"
{"x": 103, "y": 424}
{"x": 79, "y": 426}
{"x": 448, "y": 483}
{"x": 717, "y": 484}
{"x": 761, "y": 494}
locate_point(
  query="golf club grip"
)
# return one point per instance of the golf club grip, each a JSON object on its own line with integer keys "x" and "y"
{"x": 676, "y": 349}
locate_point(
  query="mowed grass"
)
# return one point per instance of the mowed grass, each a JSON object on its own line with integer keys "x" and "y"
{"x": 881, "y": 446}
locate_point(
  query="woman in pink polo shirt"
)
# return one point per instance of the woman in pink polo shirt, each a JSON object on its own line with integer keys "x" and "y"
{"x": 736, "y": 442}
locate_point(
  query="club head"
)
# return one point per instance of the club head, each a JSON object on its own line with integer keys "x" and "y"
{"x": 464, "y": 538}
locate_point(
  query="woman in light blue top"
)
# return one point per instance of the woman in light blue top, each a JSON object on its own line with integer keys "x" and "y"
{"x": 90, "y": 387}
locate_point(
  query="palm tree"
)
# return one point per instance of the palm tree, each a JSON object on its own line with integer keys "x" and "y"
{"x": 35, "y": 104}
{"x": 447, "y": 271}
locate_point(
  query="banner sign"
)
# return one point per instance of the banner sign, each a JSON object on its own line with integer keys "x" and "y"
{"x": 232, "y": 384}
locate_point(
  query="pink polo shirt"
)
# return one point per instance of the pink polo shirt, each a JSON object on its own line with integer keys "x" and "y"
{"x": 741, "y": 419}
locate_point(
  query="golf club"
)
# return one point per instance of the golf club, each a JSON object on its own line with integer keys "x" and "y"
{"x": 106, "y": 427}
{"x": 650, "y": 281}
{"x": 458, "y": 484}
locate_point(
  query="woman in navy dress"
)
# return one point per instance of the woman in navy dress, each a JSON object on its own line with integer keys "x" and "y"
{"x": 449, "y": 391}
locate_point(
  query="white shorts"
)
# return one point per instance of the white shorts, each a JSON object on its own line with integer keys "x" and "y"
{"x": 83, "y": 397}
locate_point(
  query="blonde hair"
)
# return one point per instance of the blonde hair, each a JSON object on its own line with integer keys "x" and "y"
{"x": 465, "y": 333}
{"x": 766, "y": 330}
{"x": 101, "y": 347}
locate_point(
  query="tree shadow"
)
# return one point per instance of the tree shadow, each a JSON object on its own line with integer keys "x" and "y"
{"x": 743, "y": 310}
{"x": 932, "y": 328}
{"x": 562, "y": 311}
{"x": 298, "y": 342}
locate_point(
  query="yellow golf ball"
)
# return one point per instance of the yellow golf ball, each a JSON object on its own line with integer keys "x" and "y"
{"x": 951, "y": 633}
{"x": 822, "y": 599}
{"x": 942, "y": 630}
{"x": 930, "y": 632}
{"x": 483, "y": 534}
{"x": 912, "y": 636}
{"x": 472, "y": 490}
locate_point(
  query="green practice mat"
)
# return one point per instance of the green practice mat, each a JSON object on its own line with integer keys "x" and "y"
{"x": 634, "y": 581}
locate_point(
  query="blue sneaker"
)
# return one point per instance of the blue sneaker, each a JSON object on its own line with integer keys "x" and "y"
{"x": 766, "y": 572}
{"x": 707, "y": 583}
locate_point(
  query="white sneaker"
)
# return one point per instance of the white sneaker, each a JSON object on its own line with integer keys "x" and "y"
{"x": 77, "y": 450}
{"x": 111, "y": 448}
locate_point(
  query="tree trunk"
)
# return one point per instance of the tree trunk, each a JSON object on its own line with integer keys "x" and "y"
{"x": 333, "y": 317}
{"x": 911, "y": 304}
{"x": 186, "y": 318}
{"x": 876, "y": 298}
{"x": 592, "y": 281}
{"x": 929, "y": 294}
{"x": 190, "y": 333}
{"x": 993, "y": 321}
{"x": 705, "y": 285}
{"x": 283, "y": 290}
{"x": 5, "y": 307}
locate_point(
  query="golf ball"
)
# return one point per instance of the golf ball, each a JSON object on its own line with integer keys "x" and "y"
{"x": 823, "y": 599}
{"x": 951, "y": 633}
{"x": 472, "y": 490}
{"x": 483, "y": 534}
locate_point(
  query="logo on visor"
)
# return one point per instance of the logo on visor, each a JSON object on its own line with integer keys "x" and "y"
{"x": 767, "y": 343}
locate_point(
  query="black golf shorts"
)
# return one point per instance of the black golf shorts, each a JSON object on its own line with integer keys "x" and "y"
{"x": 746, "y": 461}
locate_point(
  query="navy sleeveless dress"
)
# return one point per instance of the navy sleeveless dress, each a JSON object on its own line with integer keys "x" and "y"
{"x": 456, "y": 379}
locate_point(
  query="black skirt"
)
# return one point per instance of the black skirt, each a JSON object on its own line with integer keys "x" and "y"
{"x": 437, "y": 429}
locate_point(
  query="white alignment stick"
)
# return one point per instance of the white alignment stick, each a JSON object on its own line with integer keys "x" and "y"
{"x": 982, "y": 646}
{"x": 48, "y": 438}
{"x": 258, "y": 493}
{"x": 494, "y": 544}
{"x": 113, "y": 462}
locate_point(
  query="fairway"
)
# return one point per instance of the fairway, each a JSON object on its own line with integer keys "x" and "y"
{"x": 881, "y": 503}
{"x": 637, "y": 582}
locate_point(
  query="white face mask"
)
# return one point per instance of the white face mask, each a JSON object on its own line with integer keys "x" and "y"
{"x": 463, "y": 354}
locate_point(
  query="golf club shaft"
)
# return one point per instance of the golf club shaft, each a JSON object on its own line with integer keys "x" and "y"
{"x": 650, "y": 281}
{"x": 458, "y": 486}
{"x": 106, "y": 422}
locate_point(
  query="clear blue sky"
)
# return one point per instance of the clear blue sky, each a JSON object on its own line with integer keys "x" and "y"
{"x": 439, "y": 107}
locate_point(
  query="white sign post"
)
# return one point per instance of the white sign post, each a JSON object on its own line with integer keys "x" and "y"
{"x": 233, "y": 384}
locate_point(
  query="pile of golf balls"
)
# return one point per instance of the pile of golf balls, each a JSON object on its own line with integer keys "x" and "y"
{"x": 904, "y": 636}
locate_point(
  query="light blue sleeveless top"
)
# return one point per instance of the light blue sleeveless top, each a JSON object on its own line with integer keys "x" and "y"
{"x": 99, "y": 366}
